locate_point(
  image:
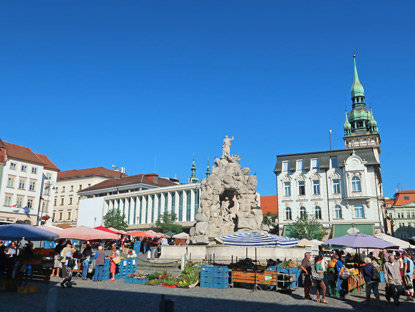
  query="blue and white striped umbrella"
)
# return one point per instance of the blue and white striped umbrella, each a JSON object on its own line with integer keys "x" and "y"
{"x": 251, "y": 239}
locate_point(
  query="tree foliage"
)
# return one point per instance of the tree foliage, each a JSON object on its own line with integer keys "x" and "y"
{"x": 167, "y": 223}
{"x": 307, "y": 227}
{"x": 269, "y": 220}
{"x": 115, "y": 219}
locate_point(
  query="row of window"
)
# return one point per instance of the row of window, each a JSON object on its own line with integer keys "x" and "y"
{"x": 313, "y": 163}
{"x": 359, "y": 212}
{"x": 22, "y": 184}
{"x": 356, "y": 187}
{"x": 71, "y": 189}
{"x": 409, "y": 224}
{"x": 68, "y": 216}
{"x": 400, "y": 215}
{"x": 62, "y": 201}
{"x": 23, "y": 168}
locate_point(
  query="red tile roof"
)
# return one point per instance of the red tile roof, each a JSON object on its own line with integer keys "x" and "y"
{"x": 389, "y": 203}
{"x": 26, "y": 154}
{"x": 404, "y": 197}
{"x": 269, "y": 204}
{"x": 134, "y": 179}
{"x": 90, "y": 172}
{"x": 49, "y": 164}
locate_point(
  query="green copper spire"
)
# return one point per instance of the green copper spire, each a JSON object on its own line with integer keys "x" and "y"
{"x": 208, "y": 170}
{"x": 357, "y": 88}
{"x": 193, "y": 178}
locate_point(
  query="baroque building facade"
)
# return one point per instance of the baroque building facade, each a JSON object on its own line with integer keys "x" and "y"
{"x": 27, "y": 181}
{"x": 341, "y": 188}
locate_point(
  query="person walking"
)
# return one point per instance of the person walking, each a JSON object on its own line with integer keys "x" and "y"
{"x": 63, "y": 254}
{"x": 393, "y": 280}
{"x": 408, "y": 276}
{"x": 306, "y": 275}
{"x": 57, "y": 264}
{"x": 99, "y": 264}
{"x": 372, "y": 280}
{"x": 339, "y": 270}
{"x": 319, "y": 280}
{"x": 86, "y": 258}
{"x": 69, "y": 265}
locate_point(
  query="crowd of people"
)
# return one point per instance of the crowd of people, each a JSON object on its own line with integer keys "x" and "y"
{"x": 398, "y": 272}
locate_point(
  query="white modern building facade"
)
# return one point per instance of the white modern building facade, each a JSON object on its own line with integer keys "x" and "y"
{"x": 27, "y": 181}
{"x": 140, "y": 202}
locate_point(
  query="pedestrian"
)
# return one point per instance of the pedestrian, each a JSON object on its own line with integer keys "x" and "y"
{"x": 393, "y": 280}
{"x": 57, "y": 264}
{"x": 408, "y": 276}
{"x": 99, "y": 264}
{"x": 12, "y": 251}
{"x": 318, "y": 279}
{"x": 69, "y": 265}
{"x": 63, "y": 258}
{"x": 306, "y": 275}
{"x": 113, "y": 264}
{"x": 339, "y": 270}
{"x": 86, "y": 259}
{"x": 372, "y": 279}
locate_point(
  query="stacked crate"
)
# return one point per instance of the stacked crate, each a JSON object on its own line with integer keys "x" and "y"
{"x": 125, "y": 267}
{"x": 105, "y": 272}
{"x": 214, "y": 276}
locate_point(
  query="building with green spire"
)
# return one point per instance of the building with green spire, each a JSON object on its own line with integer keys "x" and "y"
{"x": 360, "y": 128}
{"x": 208, "y": 170}
{"x": 193, "y": 178}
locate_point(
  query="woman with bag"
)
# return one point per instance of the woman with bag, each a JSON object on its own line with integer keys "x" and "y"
{"x": 69, "y": 265}
{"x": 318, "y": 279}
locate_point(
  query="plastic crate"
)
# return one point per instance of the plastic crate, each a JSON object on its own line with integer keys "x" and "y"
{"x": 210, "y": 284}
{"x": 222, "y": 274}
{"x": 287, "y": 270}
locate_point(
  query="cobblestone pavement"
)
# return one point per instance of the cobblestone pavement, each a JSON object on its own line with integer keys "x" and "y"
{"x": 118, "y": 296}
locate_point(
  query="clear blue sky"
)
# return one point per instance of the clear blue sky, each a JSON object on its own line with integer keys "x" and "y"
{"x": 96, "y": 83}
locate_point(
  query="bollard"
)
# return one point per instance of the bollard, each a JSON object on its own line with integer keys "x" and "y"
{"x": 166, "y": 305}
{"x": 182, "y": 263}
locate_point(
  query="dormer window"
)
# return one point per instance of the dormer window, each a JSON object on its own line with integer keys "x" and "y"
{"x": 314, "y": 163}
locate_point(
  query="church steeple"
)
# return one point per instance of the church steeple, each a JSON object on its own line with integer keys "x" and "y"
{"x": 360, "y": 128}
{"x": 193, "y": 178}
{"x": 208, "y": 170}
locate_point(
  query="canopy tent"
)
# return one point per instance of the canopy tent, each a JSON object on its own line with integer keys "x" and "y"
{"x": 117, "y": 231}
{"x": 164, "y": 235}
{"x": 52, "y": 229}
{"x": 86, "y": 233}
{"x": 316, "y": 241}
{"x": 359, "y": 240}
{"x": 396, "y": 241}
{"x": 181, "y": 235}
{"x": 26, "y": 231}
{"x": 103, "y": 228}
{"x": 252, "y": 239}
{"x": 169, "y": 234}
{"x": 141, "y": 234}
{"x": 306, "y": 243}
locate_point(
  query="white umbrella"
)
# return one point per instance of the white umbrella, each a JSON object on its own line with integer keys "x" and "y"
{"x": 181, "y": 235}
{"x": 396, "y": 241}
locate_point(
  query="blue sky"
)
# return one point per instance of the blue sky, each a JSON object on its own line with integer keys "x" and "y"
{"x": 96, "y": 83}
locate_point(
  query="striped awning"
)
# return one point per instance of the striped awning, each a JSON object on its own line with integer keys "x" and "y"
{"x": 252, "y": 239}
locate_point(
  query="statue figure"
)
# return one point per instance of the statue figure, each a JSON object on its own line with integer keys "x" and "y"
{"x": 225, "y": 211}
{"x": 226, "y": 147}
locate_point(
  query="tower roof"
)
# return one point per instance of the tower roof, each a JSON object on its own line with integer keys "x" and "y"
{"x": 347, "y": 125}
{"x": 357, "y": 88}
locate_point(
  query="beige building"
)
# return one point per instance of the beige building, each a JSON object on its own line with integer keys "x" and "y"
{"x": 69, "y": 183}
{"x": 27, "y": 182}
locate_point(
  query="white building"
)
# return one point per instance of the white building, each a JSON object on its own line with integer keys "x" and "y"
{"x": 141, "y": 199}
{"x": 341, "y": 188}
{"x": 27, "y": 182}
{"x": 70, "y": 182}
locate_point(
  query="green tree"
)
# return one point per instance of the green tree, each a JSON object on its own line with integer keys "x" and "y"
{"x": 115, "y": 219}
{"x": 269, "y": 219}
{"x": 307, "y": 227}
{"x": 167, "y": 223}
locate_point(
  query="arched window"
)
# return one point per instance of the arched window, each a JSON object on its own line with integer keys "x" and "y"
{"x": 356, "y": 187}
{"x": 338, "y": 212}
{"x": 359, "y": 211}
{"x": 288, "y": 215}
{"x": 302, "y": 212}
{"x": 318, "y": 212}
